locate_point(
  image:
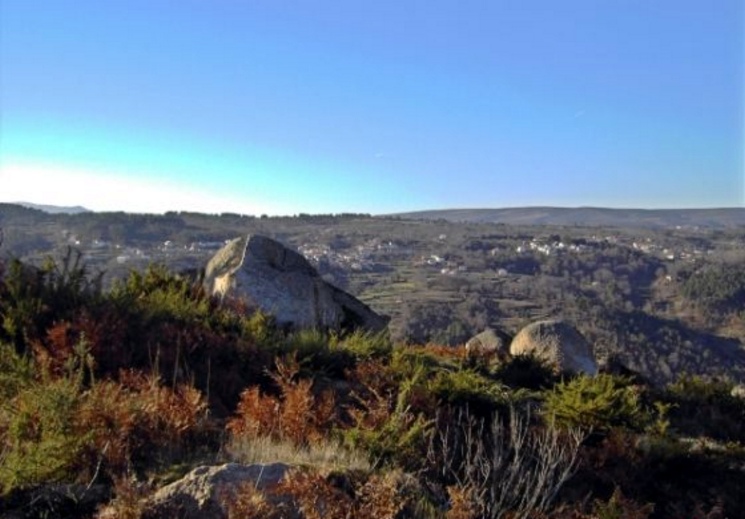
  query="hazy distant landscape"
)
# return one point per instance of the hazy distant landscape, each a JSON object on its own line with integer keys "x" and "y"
{"x": 593, "y": 217}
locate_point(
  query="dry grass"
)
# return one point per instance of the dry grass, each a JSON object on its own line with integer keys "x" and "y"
{"x": 323, "y": 454}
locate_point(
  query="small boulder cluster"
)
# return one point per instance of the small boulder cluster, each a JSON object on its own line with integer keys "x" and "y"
{"x": 557, "y": 342}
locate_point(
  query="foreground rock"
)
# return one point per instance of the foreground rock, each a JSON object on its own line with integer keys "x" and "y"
{"x": 283, "y": 283}
{"x": 557, "y": 342}
{"x": 201, "y": 494}
{"x": 489, "y": 342}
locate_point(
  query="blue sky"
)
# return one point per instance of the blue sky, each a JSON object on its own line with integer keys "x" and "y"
{"x": 377, "y": 106}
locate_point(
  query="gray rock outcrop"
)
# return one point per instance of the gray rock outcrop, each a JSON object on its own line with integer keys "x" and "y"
{"x": 557, "y": 342}
{"x": 201, "y": 493}
{"x": 281, "y": 282}
{"x": 489, "y": 342}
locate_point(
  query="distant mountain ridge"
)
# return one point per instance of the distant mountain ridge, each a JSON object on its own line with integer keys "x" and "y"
{"x": 54, "y": 209}
{"x": 714, "y": 218}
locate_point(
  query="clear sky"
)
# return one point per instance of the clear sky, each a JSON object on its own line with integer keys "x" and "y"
{"x": 321, "y": 106}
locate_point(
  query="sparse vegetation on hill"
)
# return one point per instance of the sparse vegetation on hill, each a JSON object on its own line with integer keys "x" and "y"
{"x": 108, "y": 395}
{"x": 632, "y": 292}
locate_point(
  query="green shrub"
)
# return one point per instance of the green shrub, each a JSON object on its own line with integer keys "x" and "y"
{"x": 366, "y": 345}
{"x": 33, "y": 298}
{"x": 466, "y": 387}
{"x": 313, "y": 350}
{"x": 391, "y": 433}
{"x": 705, "y": 407}
{"x": 621, "y": 507}
{"x": 16, "y": 372}
{"x": 406, "y": 361}
{"x": 38, "y": 435}
{"x": 597, "y": 403}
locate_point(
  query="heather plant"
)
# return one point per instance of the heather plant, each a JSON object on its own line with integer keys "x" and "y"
{"x": 407, "y": 360}
{"x": 319, "y": 353}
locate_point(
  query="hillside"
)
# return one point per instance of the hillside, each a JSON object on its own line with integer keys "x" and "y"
{"x": 152, "y": 400}
{"x": 720, "y": 218}
{"x": 633, "y": 292}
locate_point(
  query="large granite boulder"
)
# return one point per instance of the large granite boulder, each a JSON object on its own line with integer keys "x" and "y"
{"x": 557, "y": 342}
{"x": 490, "y": 342}
{"x": 202, "y": 493}
{"x": 281, "y": 282}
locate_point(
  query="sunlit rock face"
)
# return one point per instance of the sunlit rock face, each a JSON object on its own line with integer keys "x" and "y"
{"x": 200, "y": 494}
{"x": 281, "y": 282}
{"x": 490, "y": 342}
{"x": 558, "y": 343}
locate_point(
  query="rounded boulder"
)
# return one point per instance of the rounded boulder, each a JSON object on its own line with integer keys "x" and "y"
{"x": 558, "y": 343}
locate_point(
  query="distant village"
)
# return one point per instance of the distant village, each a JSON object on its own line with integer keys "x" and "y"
{"x": 373, "y": 254}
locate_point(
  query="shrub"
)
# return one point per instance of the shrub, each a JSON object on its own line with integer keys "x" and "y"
{"x": 621, "y": 507}
{"x": 388, "y": 428}
{"x": 502, "y": 468}
{"x": 466, "y": 387}
{"x": 16, "y": 372}
{"x": 705, "y": 407}
{"x": 37, "y": 431}
{"x": 247, "y": 502}
{"x": 33, "y": 298}
{"x": 316, "y": 353}
{"x": 138, "y": 422}
{"x": 596, "y": 403}
{"x": 297, "y": 414}
{"x": 366, "y": 345}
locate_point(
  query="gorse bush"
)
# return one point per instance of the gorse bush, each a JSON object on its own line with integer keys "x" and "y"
{"x": 391, "y": 427}
{"x": 57, "y": 430}
{"x": 705, "y": 407}
{"x": 39, "y": 435}
{"x": 366, "y": 345}
{"x": 467, "y": 387}
{"x": 33, "y": 298}
{"x": 16, "y": 372}
{"x": 596, "y": 403}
